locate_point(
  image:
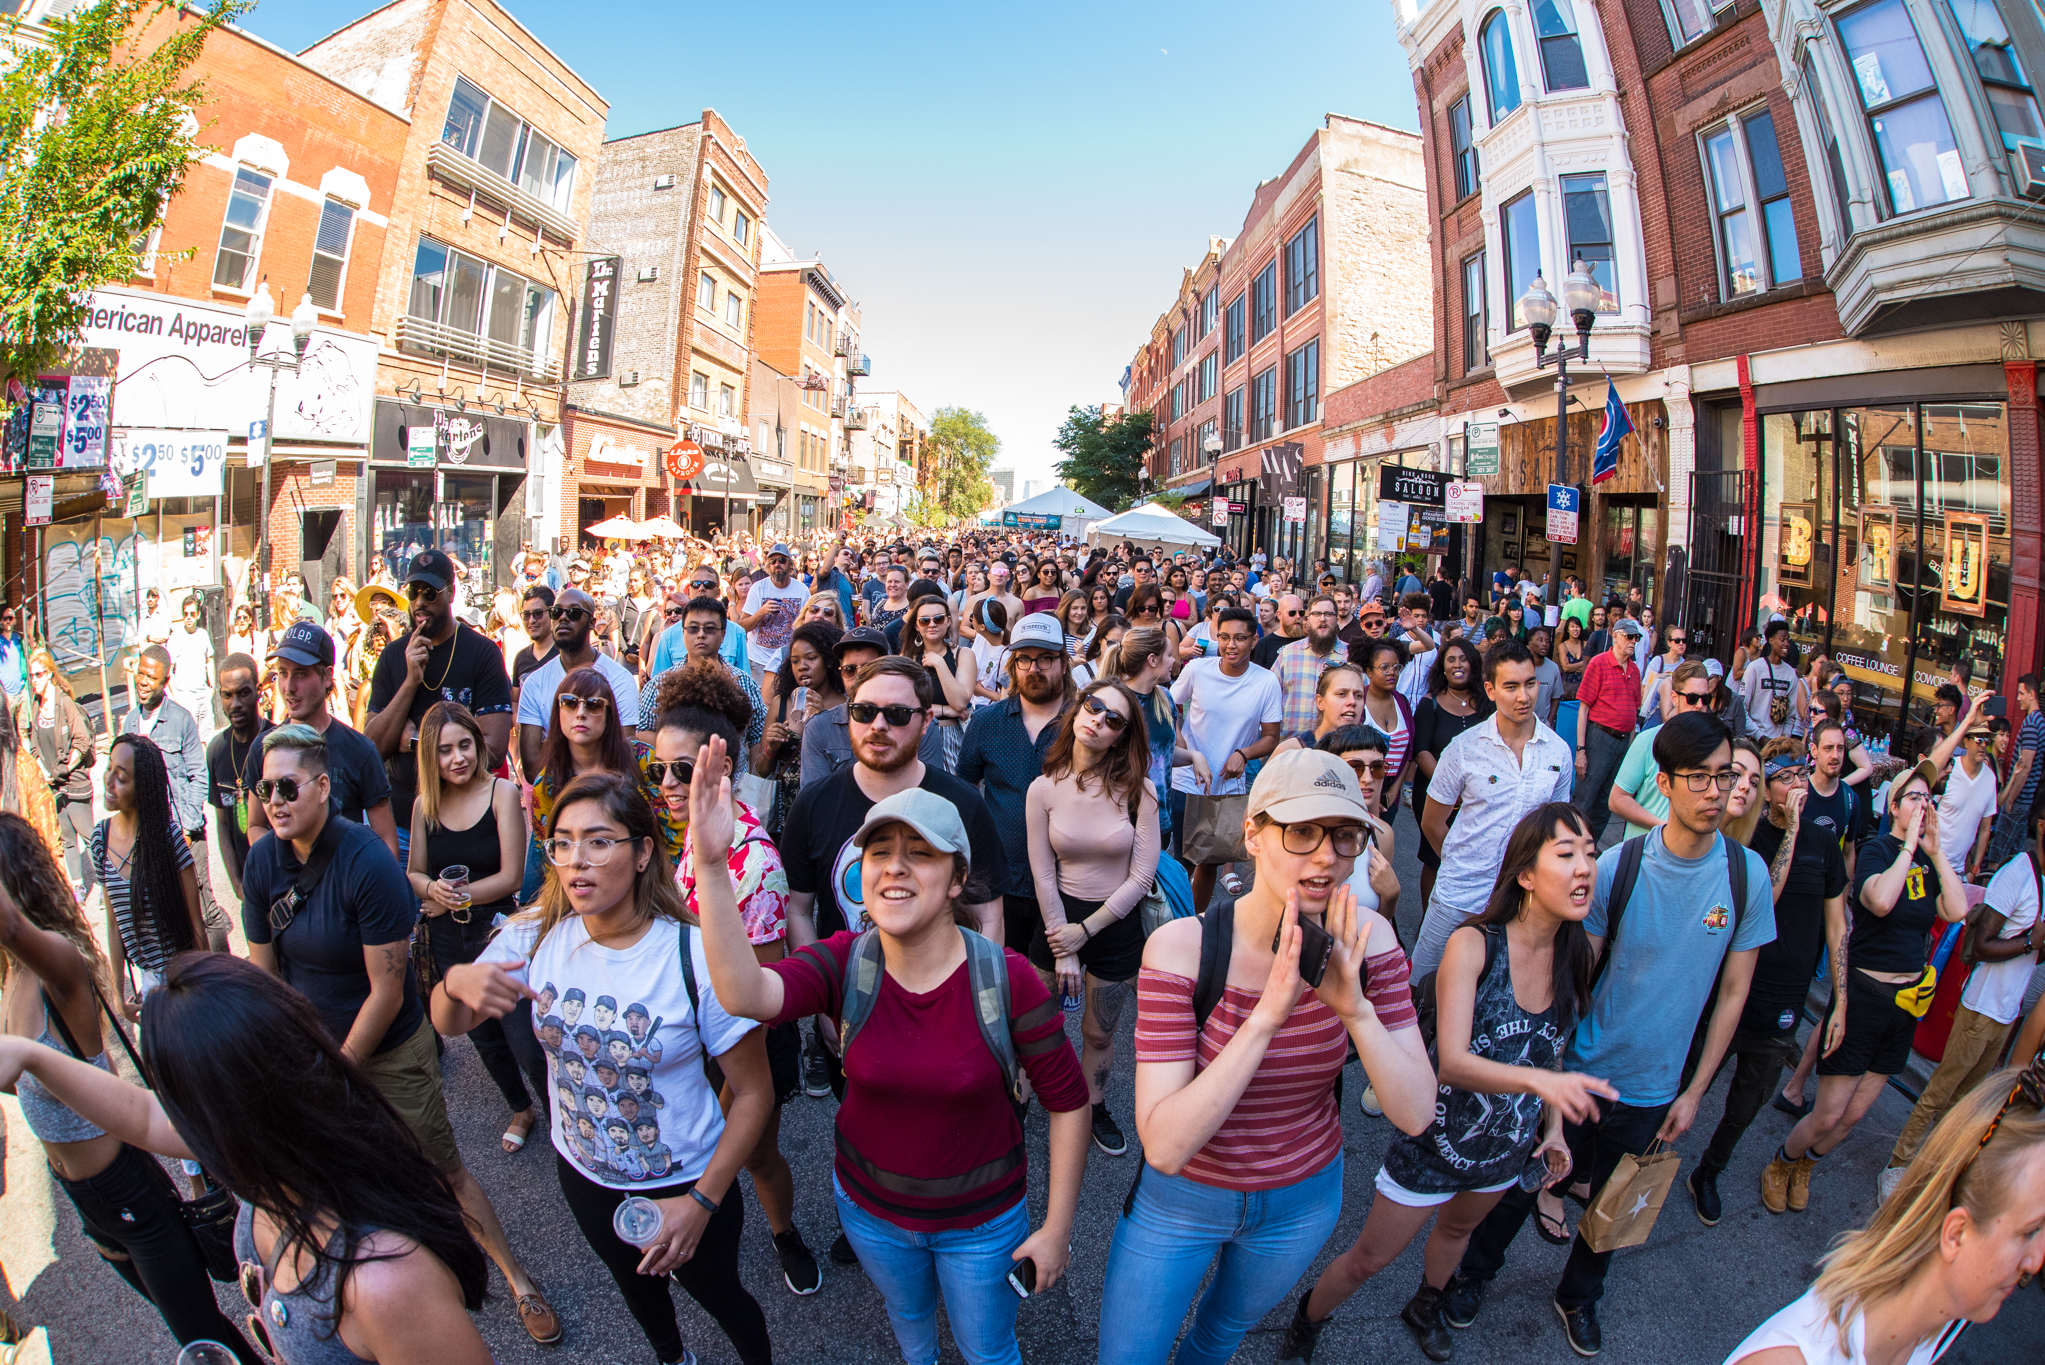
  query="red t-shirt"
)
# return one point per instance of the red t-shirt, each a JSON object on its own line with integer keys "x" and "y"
{"x": 1286, "y": 1126}
{"x": 925, "y": 1103}
{"x": 1610, "y": 693}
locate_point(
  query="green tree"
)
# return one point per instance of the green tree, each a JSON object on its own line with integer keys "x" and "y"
{"x": 961, "y": 450}
{"x": 1104, "y": 455}
{"x": 96, "y": 132}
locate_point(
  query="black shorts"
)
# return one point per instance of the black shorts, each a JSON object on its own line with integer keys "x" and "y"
{"x": 784, "y": 1060}
{"x": 1112, "y": 955}
{"x": 1020, "y": 918}
{"x": 1878, "y": 1030}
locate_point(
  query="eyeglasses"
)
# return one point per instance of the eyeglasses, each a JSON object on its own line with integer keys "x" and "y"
{"x": 595, "y": 852}
{"x": 285, "y": 788}
{"x": 2030, "y": 1088}
{"x": 570, "y": 613}
{"x": 583, "y": 705}
{"x": 1698, "y": 782}
{"x": 897, "y": 716}
{"x": 1303, "y": 839}
{"x": 1367, "y": 772}
{"x": 1038, "y": 663}
{"x": 1115, "y": 720}
{"x": 422, "y": 592}
{"x": 684, "y": 771}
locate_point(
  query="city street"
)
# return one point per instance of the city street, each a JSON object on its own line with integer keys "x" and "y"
{"x": 1686, "y": 1298}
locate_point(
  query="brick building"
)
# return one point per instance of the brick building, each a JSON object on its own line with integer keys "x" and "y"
{"x": 809, "y": 329}
{"x": 664, "y": 330}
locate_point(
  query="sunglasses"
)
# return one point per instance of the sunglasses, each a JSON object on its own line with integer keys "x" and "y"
{"x": 1115, "y": 720}
{"x": 932, "y": 620}
{"x": 897, "y": 716}
{"x": 422, "y": 592}
{"x": 584, "y": 705}
{"x": 286, "y": 788}
{"x": 1698, "y": 698}
{"x": 569, "y": 613}
{"x": 684, "y": 771}
{"x": 1367, "y": 772}
{"x": 702, "y": 587}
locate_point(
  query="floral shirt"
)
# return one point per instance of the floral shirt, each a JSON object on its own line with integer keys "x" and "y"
{"x": 671, "y": 827}
{"x": 757, "y": 879}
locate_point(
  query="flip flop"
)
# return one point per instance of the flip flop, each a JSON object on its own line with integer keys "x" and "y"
{"x": 1543, "y": 1221}
{"x": 514, "y": 1136}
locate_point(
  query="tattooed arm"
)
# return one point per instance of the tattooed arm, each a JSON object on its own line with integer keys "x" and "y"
{"x": 1838, "y": 931}
{"x": 1778, "y": 869}
{"x": 386, "y": 965}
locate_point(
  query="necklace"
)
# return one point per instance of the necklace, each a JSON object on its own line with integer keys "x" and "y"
{"x": 453, "y": 641}
{"x": 241, "y": 768}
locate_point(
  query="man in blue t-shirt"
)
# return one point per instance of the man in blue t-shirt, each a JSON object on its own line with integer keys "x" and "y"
{"x": 1677, "y": 927}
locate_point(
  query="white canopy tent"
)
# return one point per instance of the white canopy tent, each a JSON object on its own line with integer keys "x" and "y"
{"x": 1151, "y": 526}
{"x": 1073, "y": 515}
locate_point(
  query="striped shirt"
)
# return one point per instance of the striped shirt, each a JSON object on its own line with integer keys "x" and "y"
{"x": 1298, "y": 670}
{"x": 1287, "y": 1125}
{"x": 145, "y": 949}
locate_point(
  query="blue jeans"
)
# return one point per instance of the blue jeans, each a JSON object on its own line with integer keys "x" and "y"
{"x": 968, "y": 1267}
{"x": 535, "y": 873}
{"x": 1164, "y": 1244}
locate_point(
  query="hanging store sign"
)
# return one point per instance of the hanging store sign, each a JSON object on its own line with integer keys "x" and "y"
{"x": 598, "y": 319}
{"x": 1463, "y": 502}
{"x": 684, "y": 460}
{"x": 1480, "y": 450}
{"x": 179, "y": 464}
{"x": 1963, "y": 577}
{"x": 1798, "y": 540}
{"x": 1420, "y": 487}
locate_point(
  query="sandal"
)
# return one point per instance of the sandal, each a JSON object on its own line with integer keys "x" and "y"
{"x": 1543, "y": 1221}
{"x": 515, "y": 1136}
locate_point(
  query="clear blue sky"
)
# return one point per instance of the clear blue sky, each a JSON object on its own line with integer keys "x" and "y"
{"x": 1009, "y": 193}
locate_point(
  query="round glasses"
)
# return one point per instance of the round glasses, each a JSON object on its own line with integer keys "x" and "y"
{"x": 594, "y": 852}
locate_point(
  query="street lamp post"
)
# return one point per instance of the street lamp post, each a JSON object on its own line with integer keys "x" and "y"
{"x": 1211, "y": 448}
{"x": 303, "y": 319}
{"x": 1538, "y": 309}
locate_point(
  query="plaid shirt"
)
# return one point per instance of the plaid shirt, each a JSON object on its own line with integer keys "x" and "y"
{"x": 1299, "y": 670}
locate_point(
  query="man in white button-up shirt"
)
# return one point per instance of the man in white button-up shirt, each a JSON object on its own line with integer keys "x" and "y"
{"x": 1488, "y": 778}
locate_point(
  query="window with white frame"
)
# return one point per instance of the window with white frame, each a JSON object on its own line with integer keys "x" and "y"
{"x": 727, "y": 401}
{"x": 486, "y": 131}
{"x": 699, "y": 391}
{"x": 330, "y": 255}
{"x": 464, "y": 294}
{"x": 241, "y": 231}
{"x": 1562, "y": 65}
{"x": 734, "y": 308}
{"x": 717, "y": 205}
{"x": 1587, "y": 216}
{"x": 1520, "y": 232}
{"x": 1690, "y": 20}
{"x": 1913, "y": 139}
{"x": 1501, "y": 74}
{"x": 741, "y": 227}
{"x": 1757, "y": 246}
{"x": 2003, "y": 81}
{"x": 706, "y": 292}
{"x": 1210, "y": 310}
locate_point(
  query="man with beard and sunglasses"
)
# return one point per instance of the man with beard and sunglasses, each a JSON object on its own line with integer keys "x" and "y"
{"x": 574, "y": 617}
{"x": 234, "y": 761}
{"x": 827, "y": 736}
{"x": 438, "y": 659}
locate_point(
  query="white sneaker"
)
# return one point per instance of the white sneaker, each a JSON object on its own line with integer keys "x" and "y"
{"x": 1887, "y": 1182}
{"x": 1368, "y": 1102}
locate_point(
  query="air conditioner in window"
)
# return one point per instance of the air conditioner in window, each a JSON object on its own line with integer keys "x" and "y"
{"x": 628, "y": 378}
{"x": 663, "y": 182}
{"x": 2030, "y": 169}
{"x": 648, "y": 273}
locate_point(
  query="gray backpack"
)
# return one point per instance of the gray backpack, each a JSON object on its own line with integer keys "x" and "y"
{"x": 987, "y": 972}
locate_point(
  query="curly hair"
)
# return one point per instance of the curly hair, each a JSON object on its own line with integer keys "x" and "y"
{"x": 702, "y": 698}
{"x": 30, "y": 873}
{"x": 156, "y": 892}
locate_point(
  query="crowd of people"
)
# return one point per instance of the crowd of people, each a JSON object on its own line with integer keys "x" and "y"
{"x": 678, "y": 837}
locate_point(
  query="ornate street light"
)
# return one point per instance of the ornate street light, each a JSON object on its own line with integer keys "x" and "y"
{"x": 256, "y": 319}
{"x": 1538, "y": 309}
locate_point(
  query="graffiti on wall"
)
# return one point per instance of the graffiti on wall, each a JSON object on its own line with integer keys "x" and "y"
{"x": 75, "y": 599}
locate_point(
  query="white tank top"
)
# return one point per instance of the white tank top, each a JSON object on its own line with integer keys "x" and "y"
{"x": 1807, "y": 1326}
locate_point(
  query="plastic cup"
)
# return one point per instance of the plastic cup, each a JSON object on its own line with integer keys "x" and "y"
{"x": 637, "y": 1221}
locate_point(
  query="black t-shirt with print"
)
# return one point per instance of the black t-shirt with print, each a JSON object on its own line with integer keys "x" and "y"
{"x": 1897, "y": 941}
{"x": 466, "y": 668}
{"x": 233, "y": 768}
{"x": 1783, "y": 970}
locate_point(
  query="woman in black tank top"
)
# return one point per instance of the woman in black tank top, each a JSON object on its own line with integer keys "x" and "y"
{"x": 467, "y": 818}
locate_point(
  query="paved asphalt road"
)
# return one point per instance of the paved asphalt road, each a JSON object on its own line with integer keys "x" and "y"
{"x": 1686, "y": 1298}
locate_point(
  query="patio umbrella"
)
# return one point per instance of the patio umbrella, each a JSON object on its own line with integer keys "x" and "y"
{"x": 616, "y": 528}
{"x": 662, "y": 527}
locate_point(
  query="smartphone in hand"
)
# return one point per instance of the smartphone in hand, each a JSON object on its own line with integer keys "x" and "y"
{"x": 1315, "y": 946}
{"x": 1023, "y": 1278}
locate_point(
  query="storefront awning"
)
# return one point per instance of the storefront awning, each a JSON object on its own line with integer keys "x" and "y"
{"x": 723, "y": 476}
{"x": 1193, "y": 489}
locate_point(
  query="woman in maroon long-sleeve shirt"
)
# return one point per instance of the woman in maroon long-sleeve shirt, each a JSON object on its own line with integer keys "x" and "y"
{"x": 930, "y": 1167}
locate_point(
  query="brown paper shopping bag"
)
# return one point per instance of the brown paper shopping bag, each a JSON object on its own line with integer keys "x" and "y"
{"x": 1214, "y": 829}
{"x": 1624, "y": 1212}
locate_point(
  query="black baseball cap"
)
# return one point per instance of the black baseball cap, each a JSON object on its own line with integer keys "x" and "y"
{"x": 432, "y": 568}
{"x": 858, "y": 636}
{"x": 305, "y": 643}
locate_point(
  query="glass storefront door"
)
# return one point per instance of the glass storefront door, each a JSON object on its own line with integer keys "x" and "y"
{"x": 402, "y": 522}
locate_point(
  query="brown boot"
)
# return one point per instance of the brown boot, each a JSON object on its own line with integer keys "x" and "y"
{"x": 1775, "y": 1184}
{"x": 1800, "y": 1184}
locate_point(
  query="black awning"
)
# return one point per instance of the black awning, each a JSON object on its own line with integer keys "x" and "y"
{"x": 722, "y": 475}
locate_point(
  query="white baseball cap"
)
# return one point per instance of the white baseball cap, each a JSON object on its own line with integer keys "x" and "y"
{"x": 1039, "y": 630}
{"x": 1306, "y": 784}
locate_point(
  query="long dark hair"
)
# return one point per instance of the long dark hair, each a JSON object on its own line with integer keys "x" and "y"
{"x": 822, "y": 636}
{"x": 1124, "y": 771}
{"x": 264, "y": 1097}
{"x": 616, "y": 748}
{"x": 156, "y": 893}
{"x": 1572, "y": 944}
{"x": 29, "y": 871}
{"x": 1438, "y": 676}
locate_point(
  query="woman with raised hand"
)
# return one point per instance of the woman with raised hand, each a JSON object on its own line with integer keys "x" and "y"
{"x": 1092, "y": 820}
{"x": 1511, "y": 985}
{"x": 52, "y": 980}
{"x": 695, "y": 702}
{"x": 141, "y": 858}
{"x": 1963, "y": 1230}
{"x": 939, "y": 1027}
{"x": 350, "y": 1238}
{"x": 628, "y": 1017}
{"x": 467, "y": 817}
{"x": 1237, "y": 1060}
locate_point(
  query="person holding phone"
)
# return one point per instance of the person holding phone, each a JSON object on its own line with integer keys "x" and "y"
{"x": 1244, "y": 1020}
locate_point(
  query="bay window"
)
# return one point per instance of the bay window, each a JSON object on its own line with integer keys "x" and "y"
{"x": 1520, "y": 232}
{"x": 490, "y": 134}
{"x": 1920, "y": 161}
{"x": 1501, "y": 75}
{"x": 1587, "y": 217}
{"x": 477, "y": 310}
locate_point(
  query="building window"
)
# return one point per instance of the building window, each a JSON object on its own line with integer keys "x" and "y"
{"x": 241, "y": 232}
{"x": 1462, "y": 148}
{"x": 2002, "y": 75}
{"x": 1520, "y": 230}
{"x": 1210, "y": 375}
{"x": 1476, "y": 348}
{"x": 727, "y": 401}
{"x": 485, "y": 131}
{"x": 1232, "y": 420}
{"x": 717, "y": 206}
{"x": 1198, "y": 446}
{"x": 706, "y": 292}
{"x": 1501, "y": 76}
{"x": 734, "y": 309}
{"x": 699, "y": 391}
{"x": 1210, "y": 311}
{"x": 1835, "y": 163}
{"x": 741, "y": 227}
{"x": 1587, "y": 214}
{"x": 509, "y": 315}
{"x": 1690, "y": 20}
{"x": 1561, "y": 54}
{"x": 1757, "y": 250}
{"x": 1264, "y": 404}
{"x": 1178, "y": 448}
{"x": 330, "y": 255}
{"x": 1232, "y": 333}
{"x": 1920, "y": 161}
{"x": 1303, "y": 268}
{"x": 1264, "y": 303}
{"x": 1303, "y": 385}
{"x": 1178, "y": 347}
{"x": 1178, "y": 400}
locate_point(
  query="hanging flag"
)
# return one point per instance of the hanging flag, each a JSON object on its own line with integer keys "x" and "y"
{"x": 1618, "y": 426}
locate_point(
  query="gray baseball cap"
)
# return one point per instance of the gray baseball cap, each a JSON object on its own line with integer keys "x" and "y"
{"x": 929, "y": 814}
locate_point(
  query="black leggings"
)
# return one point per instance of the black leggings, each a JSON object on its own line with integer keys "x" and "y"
{"x": 506, "y": 1045}
{"x": 131, "y": 1216}
{"x": 710, "y": 1276}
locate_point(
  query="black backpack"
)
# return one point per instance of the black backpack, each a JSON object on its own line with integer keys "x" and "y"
{"x": 1628, "y": 872}
{"x": 1424, "y": 1003}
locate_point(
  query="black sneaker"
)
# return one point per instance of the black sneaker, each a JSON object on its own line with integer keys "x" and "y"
{"x": 1301, "y": 1335}
{"x": 798, "y": 1266}
{"x": 816, "y": 1076}
{"x": 1704, "y": 1192}
{"x": 1461, "y": 1297}
{"x": 1107, "y": 1136}
{"x": 1581, "y": 1327}
{"x": 842, "y": 1252}
{"x": 1422, "y": 1316}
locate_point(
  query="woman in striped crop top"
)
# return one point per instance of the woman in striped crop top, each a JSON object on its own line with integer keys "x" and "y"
{"x": 1238, "y": 1111}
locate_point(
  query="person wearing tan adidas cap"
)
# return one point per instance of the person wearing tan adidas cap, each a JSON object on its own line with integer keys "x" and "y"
{"x": 1236, "y": 1074}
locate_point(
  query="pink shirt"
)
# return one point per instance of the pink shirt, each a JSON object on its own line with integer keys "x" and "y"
{"x": 1084, "y": 844}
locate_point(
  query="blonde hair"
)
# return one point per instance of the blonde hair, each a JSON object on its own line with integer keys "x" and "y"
{"x": 49, "y": 661}
{"x": 1952, "y": 1170}
{"x": 1139, "y": 645}
{"x": 829, "y": 599}
{"x": 441, "y": 715}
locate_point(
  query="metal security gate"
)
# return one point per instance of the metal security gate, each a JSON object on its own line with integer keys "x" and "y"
{"x": 1713, "y": 608}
